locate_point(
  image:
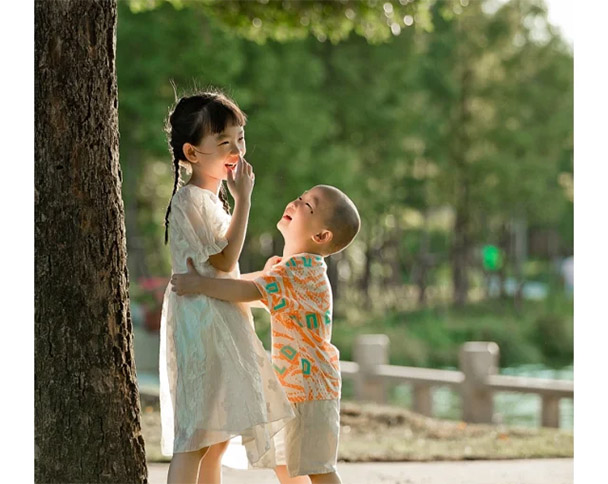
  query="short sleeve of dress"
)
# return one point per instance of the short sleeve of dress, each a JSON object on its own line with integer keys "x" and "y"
{"x": 197, "y": 221}
{"x": 276, "y": 288}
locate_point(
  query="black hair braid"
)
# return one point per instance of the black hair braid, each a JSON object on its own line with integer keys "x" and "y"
{"x": 224, "y": 197}
{"x": 175, "y": 186}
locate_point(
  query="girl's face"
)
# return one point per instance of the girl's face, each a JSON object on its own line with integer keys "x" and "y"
{"x": 218, "y": 153}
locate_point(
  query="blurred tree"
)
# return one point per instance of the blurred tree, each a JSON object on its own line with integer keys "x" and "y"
{"x": 500, "y": 113}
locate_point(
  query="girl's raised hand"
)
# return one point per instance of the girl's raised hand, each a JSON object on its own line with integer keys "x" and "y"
{"x": 240, "y": 181}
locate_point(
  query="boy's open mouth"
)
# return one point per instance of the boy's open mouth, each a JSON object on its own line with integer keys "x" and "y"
{"x": 287, "y": 217}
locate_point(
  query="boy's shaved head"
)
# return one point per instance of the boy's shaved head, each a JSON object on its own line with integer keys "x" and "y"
{"x": 343, "y": 220}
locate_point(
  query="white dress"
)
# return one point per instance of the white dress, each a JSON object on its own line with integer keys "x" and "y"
{"x": 216, "y": 379}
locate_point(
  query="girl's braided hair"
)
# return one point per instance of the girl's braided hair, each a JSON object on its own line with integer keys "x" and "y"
{"x": 192, "y": 118}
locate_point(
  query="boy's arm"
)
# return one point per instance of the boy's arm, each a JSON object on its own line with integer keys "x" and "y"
{"x": 233, "y": 290}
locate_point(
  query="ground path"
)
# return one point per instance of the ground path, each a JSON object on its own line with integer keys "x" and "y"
{"x": 529, "y": 471}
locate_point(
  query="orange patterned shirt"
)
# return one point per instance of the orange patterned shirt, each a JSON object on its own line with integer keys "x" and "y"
{"x": 298, "y": 295}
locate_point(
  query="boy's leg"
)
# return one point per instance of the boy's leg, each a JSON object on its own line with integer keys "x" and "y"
{"x": 329, "y": 478}
{"x": 210, "y": 471}
{"x": 283, "y": 476}
{"x": 184, "y": 467}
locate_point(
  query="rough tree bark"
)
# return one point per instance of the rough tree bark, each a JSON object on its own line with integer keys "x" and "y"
{"x": 87, "y": 426}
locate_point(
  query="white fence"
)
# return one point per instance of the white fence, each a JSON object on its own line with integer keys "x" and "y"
{"x": 477, "y": 380}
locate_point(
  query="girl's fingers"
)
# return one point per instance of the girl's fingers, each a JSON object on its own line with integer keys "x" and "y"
{"x": 240, "y": 166}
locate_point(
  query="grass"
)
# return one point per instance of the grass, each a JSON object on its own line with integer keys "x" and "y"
{"x": 431, "y": 337}
{"x": 372, "y": 433}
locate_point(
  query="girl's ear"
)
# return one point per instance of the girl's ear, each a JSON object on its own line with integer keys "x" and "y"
{"x": 323, "y": 237}
{"x": 189, "y": 152}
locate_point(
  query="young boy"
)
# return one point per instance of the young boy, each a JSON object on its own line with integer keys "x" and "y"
{"x": 296, "y": 291}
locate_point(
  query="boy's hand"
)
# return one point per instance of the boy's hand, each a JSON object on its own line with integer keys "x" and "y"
{"x": 275, "y": 259}
{"x": 186, "y": 284}
{"x": 240, "y": 181}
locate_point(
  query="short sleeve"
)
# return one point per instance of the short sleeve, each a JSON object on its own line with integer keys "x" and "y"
{"x": 274, "y": 287}
{"x": 197, "y": 221}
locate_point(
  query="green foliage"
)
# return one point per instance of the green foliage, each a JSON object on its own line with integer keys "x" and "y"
{"x": 286, "y": 20}
{"x": 432, "y": 337}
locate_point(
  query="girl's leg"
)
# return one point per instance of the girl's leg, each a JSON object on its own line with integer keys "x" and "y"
{"x": 329, "y": 478}
{"x": 210, "y": 471}
{"x": 283, "y": 476}
{"x": 184, "y": 467}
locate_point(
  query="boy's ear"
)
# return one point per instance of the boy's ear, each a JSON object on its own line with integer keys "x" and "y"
{"x": 323, "y": 237}
{"x": 189, "y": 152}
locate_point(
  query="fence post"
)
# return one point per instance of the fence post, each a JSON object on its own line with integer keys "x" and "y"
{"x": 478, "y": 360}
{"x": 369, "y": 351}
{"x": 423, "y": 399}
{"x": 550, "y": 411}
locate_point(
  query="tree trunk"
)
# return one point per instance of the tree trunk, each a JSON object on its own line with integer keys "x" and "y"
{"x": 460, "y": 245}
{"x": 87, "y": 426}
{"x": 366, "y": 279}
{"x": 505, "y": 245}
{"x": 423, "y": 263}
{"x": 461, "y": 238}
{"x": 520, "y": 232}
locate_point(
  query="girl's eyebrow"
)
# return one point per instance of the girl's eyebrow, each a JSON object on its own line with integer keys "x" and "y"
{"x": 226, "y": 135}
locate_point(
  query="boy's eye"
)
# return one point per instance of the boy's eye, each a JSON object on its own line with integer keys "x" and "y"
{"x": 307, "y": 204}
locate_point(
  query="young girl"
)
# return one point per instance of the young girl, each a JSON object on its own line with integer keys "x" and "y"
{"x": 216, "y": 381}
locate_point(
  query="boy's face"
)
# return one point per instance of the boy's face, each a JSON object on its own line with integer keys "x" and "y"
{"x": 304, "y": 218}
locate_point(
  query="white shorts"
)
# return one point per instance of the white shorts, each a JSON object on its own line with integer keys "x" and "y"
{"x": 308, "y": 444}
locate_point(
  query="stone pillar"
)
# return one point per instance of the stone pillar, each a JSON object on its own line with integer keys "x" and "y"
{"x": 550, "y": 411}
{"x": 369, "y": 351}
{"x": 423, "y": 399}
{"x": 478, "y": 360}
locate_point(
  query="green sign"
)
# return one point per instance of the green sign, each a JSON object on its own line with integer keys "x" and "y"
{"x": 491, "y": 258}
